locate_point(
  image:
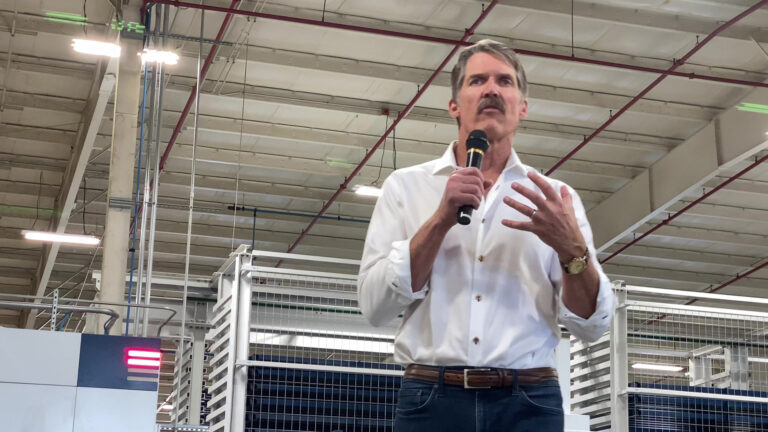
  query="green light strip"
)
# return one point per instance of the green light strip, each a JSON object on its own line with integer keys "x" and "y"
{"x": 66, "y": 21}
{"x": 754, "y": 110}
{"x": 752, "y": 105}
{"x": 64, "y": 17}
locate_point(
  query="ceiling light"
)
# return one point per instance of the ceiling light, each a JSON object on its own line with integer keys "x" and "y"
{"x": 96, "y": 48}
{"x": 154, "y": 56}
{"x": 61, "y": 238}
{"x": 657, "y": 367}
{"x": 367, "y": 190}
{"x": 753, "y": 107}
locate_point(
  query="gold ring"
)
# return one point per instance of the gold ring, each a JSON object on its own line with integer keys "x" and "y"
{"x": 533, "y": 213}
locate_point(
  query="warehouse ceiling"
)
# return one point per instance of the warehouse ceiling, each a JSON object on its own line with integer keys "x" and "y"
{"x": 289, "y": 109}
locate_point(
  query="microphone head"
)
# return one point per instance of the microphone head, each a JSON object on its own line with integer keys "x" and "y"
{"x": 477, "y": 139}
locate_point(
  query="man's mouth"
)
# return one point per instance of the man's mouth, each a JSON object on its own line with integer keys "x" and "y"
{"x": 491, "y": 108}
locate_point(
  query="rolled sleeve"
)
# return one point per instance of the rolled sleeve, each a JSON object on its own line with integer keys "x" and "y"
{"x": 590, "y": 329}
{"x": 399, "y": 276}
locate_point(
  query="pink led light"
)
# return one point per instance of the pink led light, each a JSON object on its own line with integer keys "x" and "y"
{"x": 142, "y": 353}
{"x": 143, "y": 363}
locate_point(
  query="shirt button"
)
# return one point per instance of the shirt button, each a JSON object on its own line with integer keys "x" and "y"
{"x": 480, "y": 258}
{"x": 478, "y": 298}
{"x": 476, "y": 340}
{"x": 482, "y": 221}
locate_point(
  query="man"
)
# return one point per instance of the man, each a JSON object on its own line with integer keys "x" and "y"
{"x": 481, "y": 302}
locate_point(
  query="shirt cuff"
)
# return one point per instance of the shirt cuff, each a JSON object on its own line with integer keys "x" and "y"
{"x": 590, "y": 329}
{"x": 399, "y": 273}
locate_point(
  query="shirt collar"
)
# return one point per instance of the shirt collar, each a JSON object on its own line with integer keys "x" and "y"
{"x": 447, "y": 163}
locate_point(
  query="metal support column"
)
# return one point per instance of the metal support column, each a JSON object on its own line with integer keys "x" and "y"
{"x": 242, "y": 340}
{"x": 197, "y": 354}
{"x": 619, "y": 364}
{"x": 121, "y": 170}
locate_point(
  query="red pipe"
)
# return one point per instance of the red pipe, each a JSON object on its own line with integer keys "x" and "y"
{"x": 467, "y": 34}
{"x": 446, "y": 41}
{"x": 658, "y": 80}
{"x": 735, "y": 279}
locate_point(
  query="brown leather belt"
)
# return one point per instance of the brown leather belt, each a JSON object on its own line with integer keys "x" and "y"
{"x": 481, "y": 378}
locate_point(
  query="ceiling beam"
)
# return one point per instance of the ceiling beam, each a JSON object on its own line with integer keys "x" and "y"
{"x": 635, "y": 16}
{"x": 732, "y": 137}
{"x": 103, "y": 85}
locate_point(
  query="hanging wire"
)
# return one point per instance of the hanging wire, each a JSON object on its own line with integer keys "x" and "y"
{"x": 85, "y": 196}
{"x": 85, "y": 15}
{"x": 240, "y": 145}
{"x": 394, "y": 149}
{"x": 37, "y": 203}
{"x": 383, "y": 150}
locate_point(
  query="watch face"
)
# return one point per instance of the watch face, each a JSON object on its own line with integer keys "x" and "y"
{"x": 577, "y": 266}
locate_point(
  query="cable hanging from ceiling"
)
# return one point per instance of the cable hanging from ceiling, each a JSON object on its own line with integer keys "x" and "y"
{"x": 240, "y": 149}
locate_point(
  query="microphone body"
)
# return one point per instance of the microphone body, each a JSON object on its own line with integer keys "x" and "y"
{"x": 477, "y": 145}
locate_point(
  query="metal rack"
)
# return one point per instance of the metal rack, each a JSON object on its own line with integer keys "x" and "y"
{"x": 669, "y": 364}
{"x": 289, "y": 347}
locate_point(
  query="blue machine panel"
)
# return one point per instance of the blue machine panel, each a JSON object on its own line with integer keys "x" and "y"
{"x": 103, "y": 363}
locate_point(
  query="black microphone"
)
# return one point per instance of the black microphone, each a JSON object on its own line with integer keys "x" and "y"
{"x": 477, "y": 145}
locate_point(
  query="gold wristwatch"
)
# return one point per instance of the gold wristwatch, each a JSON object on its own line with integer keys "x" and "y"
{"x": 576, "y": 265}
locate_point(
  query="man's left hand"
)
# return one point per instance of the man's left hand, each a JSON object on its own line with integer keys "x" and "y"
{"x": 553, "y": 219}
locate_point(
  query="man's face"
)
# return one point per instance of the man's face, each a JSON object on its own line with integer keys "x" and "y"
{"x": 489, "y": 98}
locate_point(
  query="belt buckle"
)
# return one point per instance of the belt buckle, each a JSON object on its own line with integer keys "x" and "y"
{"x": 466, "y": 378}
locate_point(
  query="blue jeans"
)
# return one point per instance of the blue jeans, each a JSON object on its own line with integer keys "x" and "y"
{"x": 424, "y": 406}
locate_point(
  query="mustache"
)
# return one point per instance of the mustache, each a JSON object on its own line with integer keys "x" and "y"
{"x": 491, "y": 102}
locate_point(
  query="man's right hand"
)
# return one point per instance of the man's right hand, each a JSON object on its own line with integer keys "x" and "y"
{"x": 466, "y": 186}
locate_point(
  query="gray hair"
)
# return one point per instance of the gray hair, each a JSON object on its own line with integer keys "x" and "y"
{"x": 493, "y": 48}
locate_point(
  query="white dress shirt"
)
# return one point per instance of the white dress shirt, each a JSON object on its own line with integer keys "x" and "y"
{"x": 493, "y": 298}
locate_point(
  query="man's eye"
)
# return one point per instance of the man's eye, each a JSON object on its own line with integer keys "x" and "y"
{"x": 474, "y": 81}
{"x": 507, "y": 82}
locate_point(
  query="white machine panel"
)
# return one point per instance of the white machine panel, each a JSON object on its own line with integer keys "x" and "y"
{"x": 31, "y": 407}
{"x": 39, "y": 357}
{"x": 100, "y": 409}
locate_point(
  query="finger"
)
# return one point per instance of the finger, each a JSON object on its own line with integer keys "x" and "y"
{"x": 543, "y": 185}
{"x": 467, "y": 199}
{"x": 535, "y": 197}
{"x": 520, "y": 207}
{"x": 567, "y": 197}
{"x": 471, "y": 189}
{"x": 470, "y": 171}
{"x": 518, "y": 225}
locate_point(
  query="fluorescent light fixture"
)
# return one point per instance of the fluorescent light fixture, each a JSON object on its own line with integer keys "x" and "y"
{"x": 753, "y": 107}
{"x": 96, "y": 48}
{"x": 64, "y": 17}
{"x": 154, "y": 56}
{"x": 366, "y": 190}
{"x": 657, "y": 367}
{"x": 61, "y": 238}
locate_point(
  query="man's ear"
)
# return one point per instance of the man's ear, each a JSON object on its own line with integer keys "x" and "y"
{"x": 453, "y": 109}
{"x": 524, "y": 109}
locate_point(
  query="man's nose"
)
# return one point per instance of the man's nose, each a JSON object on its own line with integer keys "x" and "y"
{"x": 490, "y": 88}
